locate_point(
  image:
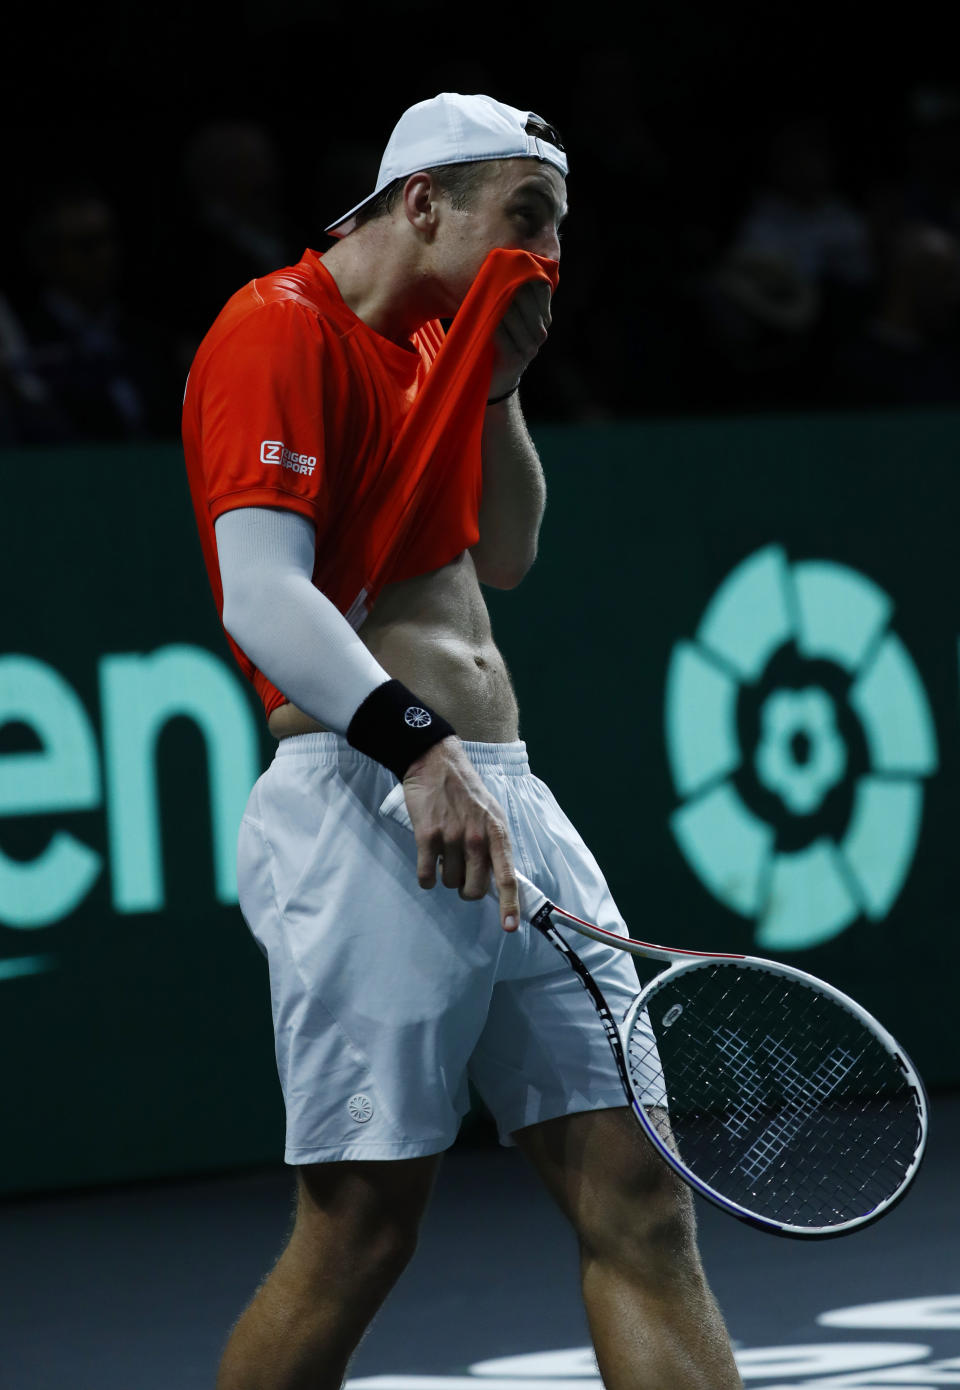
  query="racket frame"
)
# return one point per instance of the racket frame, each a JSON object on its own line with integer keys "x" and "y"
{"x": 886, "y": 1040}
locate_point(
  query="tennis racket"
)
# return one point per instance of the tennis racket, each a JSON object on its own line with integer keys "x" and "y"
{"x": 773, "y": 1095}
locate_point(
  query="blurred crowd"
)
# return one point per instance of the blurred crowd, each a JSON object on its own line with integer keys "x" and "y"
{"x": 801, "y": 261}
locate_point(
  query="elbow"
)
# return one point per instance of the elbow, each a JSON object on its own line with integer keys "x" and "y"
{"x": 504, "y": 572}
{"x": 510, "y": 578}
{"x": 237, "y": 608}
{"x": 228, "y": 619}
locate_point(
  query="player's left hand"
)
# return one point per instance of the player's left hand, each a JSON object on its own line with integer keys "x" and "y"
{"x": 520, "y": 335}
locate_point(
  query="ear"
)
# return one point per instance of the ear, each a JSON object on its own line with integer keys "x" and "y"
{"x": 421, "y": 204}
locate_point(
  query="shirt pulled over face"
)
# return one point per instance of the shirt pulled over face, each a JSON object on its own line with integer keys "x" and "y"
{"x": 293, "y": 401}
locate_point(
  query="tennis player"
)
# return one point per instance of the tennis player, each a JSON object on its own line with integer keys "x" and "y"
{"x": 357, "y": 476}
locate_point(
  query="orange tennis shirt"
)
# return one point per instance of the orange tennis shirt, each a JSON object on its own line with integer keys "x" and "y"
{"x": 294, "y": 402}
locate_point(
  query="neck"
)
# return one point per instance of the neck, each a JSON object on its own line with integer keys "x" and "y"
{"x": 383, "y": 283}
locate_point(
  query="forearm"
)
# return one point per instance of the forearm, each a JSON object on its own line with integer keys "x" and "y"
{"x": 300, "y": 641}
{"x": 514, "y": 498}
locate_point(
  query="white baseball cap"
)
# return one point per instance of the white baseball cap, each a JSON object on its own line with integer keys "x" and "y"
{"x": 455, "y": 129}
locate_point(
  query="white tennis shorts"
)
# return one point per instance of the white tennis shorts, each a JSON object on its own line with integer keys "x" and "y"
{"x": 387, "y": 997}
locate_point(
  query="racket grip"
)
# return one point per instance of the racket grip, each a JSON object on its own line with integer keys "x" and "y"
{"x": 532, "y": 901}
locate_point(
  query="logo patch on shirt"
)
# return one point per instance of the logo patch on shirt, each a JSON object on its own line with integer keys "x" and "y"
{"x": 275, "y": 451}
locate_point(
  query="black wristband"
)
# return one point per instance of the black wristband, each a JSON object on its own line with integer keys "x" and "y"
{"x": 506, "y": 395}
{"x": 395, "y": 728}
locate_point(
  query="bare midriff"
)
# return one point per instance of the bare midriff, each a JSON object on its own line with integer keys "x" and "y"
{"x": 433, "y": 634}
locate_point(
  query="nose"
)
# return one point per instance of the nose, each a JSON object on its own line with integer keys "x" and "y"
{"x": 551, "y": 246}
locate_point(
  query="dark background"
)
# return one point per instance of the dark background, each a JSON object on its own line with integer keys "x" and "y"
{"x": 676, "y": 119}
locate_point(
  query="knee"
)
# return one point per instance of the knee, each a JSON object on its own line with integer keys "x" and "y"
{"x": 359, "y": 1237}
{"x": 646, "y": 1230}
{"x": 373, "y": 1263}
{"x": 361, "y": 1256}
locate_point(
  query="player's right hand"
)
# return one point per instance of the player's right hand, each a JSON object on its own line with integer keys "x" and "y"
{"x": 457, "y": 821}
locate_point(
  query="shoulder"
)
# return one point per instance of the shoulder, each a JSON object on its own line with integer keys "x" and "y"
{"x": 259, "y": 325}
{"x": 293, "y": 299}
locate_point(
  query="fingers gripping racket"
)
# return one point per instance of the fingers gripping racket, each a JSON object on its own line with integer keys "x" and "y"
{"x": 768, "y": 1091}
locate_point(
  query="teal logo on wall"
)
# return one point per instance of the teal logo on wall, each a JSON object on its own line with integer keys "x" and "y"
{"x": 140, "y": 693}
{"x": 798, "y": 735}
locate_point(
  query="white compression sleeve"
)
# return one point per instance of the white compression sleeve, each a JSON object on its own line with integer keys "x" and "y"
{"x": 286, "y": 626}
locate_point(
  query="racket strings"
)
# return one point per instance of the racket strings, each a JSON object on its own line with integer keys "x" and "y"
{"x": 779, "y": 1097}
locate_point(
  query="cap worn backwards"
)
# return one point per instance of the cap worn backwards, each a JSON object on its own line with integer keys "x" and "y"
{"x": 456, "y": 129}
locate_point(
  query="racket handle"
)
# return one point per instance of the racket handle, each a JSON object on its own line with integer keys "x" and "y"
{"x": 532, "y": 901}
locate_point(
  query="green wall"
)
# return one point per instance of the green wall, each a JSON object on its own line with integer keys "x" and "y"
{"x": 737, "y": 662}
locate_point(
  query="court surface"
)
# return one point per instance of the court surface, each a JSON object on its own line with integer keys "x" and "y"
{"x": 135, "y": 1288}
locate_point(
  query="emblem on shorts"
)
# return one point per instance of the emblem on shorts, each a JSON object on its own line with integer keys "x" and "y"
{"x": 360, "y": 1108}
{"x": 417, "y": 718}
